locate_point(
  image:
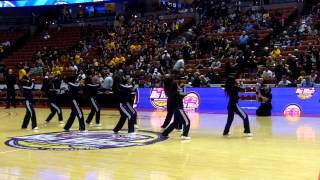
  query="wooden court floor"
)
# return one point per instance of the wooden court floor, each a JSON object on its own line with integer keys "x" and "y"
{"x": 281, "y": 149}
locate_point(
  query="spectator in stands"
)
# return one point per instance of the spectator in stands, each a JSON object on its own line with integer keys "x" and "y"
{"x": 301, "y": 78}
{"x": 303, "y": 28}
{"x": 284, "y": 82}
{"x": 178, "y": 65}
{"x": 280, "y": 70}
{"x": 22, "y": 71}
{"x": 186, "y": 51}
{"x": 314, "y": 76}
{"x": 164, "y": 35}
{"x": 307, "y": 83}
{"x": 108, "y": 81}
{"x": 264, "y": 96}
{"x": 6, "y": 44}
{"x": 293, "y": 67}
{"x": 267, "y": 74}
{"x": 196, "y": 80}
{"x": 204, "y": 82}
{"x": 74, "y": 68}
{"x": 156, "y": 77}
{"x": 165, "y": 61}
{"x": 308, "y": 65}
{"x": 215, "y": 63}
{"x": 46, "y": 36}
{"x": 276, "y": 52}
{"x": 243, "y": 39}
{"x": 189, "y": 80}
{"x": 249, "y": 27}
{"x": 11, "y": 80}
{"x": 269, "y": 61}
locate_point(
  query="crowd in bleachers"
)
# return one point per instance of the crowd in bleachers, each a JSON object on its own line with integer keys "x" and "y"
{"x": 133, "y": 44}
{"x": 295, "y": 59}
{"x": 233, "y": 42}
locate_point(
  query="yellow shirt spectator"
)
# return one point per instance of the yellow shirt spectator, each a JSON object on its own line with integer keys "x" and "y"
{"x": 95, "y": 62}
{"x": 266, "y": 14}
{"x": 57, "y": 70}
{"x": 22, "y": 73}
{"x": 276, "y": 52}
{"x": 122, "y": 59}
{"x": 77, "y": 59}
{"x": 111, "y": 45}
{"x": 135, "y": 49}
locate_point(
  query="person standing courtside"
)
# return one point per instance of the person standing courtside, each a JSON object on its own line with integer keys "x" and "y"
{"x": 232, "y": 90}
{"x": 27, "y": 87}
{"x": 264, "y": 96}
{"x": 11, "y": 80}
{"x": 76, "y": 110}
{"x": 92, "y": 88}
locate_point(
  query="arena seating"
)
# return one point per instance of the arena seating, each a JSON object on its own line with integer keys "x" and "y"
{"x": 62, "y": 39}
{"x": 148, "y": 39}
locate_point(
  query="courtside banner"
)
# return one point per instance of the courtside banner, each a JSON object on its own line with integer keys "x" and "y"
{"x": 214, "y": 100}
{"x": 25, "y": 3}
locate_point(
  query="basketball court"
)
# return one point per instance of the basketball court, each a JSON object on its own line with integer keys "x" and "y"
{"x": 281, "y": 148}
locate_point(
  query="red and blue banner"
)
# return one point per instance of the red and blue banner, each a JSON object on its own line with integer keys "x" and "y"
{"x": 24, "y": 3}
{"x": 302, "y": 101}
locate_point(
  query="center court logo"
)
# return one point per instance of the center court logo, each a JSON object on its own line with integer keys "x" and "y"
{"x": 91, "y": 140}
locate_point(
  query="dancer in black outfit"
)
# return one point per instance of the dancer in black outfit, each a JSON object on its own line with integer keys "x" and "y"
{"x": 76, "y": 110}
{"x": 52, "y": 91}
{"x": 176, "y": 97}
{"x": 123, "y": 91}
{"x": 232, "y": 91}
{"x": 168, "y": 81}
{"x": 92, "y": 88}
{"x": 133, "y": 95}
{"x": 11, "y": 92}
{"x": 28, "y": 86}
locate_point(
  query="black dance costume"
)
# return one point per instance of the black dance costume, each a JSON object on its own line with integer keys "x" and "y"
{"x": 95, "y": 108}
{"x": 233, "y": 107}
{"x": 176, "y": 100}
{"x": 28, "y": 87}
{"x": 124, "y": 93}
{"x": 76, "y": 110}
{"x": 170, "y": 111}
{"x": 53, "y": 90}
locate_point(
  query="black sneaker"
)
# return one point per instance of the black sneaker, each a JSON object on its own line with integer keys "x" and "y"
{"x": 164, "y": 136}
